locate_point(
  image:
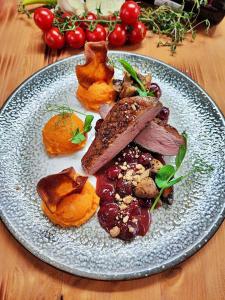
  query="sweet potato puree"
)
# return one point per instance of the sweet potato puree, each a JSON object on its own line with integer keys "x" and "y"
{"x": 67, "y": 198}
{"x": 57, "y": 133}
{"x": 97, "y": 94}
{"x": 95, "y": 77}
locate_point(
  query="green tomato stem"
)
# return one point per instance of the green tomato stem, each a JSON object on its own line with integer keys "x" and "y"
{"x": 46, "y": 2}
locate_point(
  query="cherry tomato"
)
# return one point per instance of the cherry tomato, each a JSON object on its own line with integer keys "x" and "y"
{"x": 54, "y": 39}
{"x": 66, "y": 15}
{"x": 118, "y": 36}
{"x": 98, "y": 34}
{"x": 75, "y": 38}
{"x": 137, "y": 34}
{"x": 90, "y": 16}
{"x": 43, "y": 17}
{"x": 130, "y": 12}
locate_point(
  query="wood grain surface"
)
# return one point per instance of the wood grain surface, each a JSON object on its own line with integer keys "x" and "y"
{"x": 22, "y": 276}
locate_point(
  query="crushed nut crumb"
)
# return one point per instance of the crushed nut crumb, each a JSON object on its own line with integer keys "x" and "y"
{"x": 125, "y": 219}
{"x": 145, "y": 174}
{"x": 124, "y": 168}
{"x": 131, "y": 229}
{"x": 115, "y": 231}
{"x": 133, "y": 106}
{"x": 117, "y": 196}
{"x": 128, "y": 199}
{"x": 123, "y": 206}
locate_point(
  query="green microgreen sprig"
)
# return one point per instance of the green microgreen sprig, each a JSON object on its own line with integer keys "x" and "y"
{"x": 165, "y": 177}
{"x": 130, "y": 70}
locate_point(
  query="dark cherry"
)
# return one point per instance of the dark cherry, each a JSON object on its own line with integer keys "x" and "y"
{"x": 98, "y": 124}
{"x": 113, "y": 172}
{"x": 164, "y": 114}
{"x": 145, "y": 159}
{"x": 144, "y": 221}
{"x": 128, "y": 155}
{"x": 156, "y": 89}
{"x": 128, "y": 231}
{"x": 123, "y": 188}
{"x": 106, "y": 193}
{"x": 145, "y": 203}
{"x": 107, "y": 215}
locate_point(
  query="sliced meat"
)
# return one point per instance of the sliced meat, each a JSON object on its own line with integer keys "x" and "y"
{"x": 104, "y": 109}
{"x": 124, "y": 121}
{"x": 156, "y": 137}
{"x": 160, "y": 138}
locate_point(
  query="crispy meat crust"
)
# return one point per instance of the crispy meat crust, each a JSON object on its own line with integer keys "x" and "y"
{"x": 125, "y": 113}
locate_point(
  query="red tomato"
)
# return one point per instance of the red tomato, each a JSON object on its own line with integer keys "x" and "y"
{"x": 43, "y": 17}
{"x": 90, "y": 16}
{"x": 138, "y": 33}
{"x": 130, "y": 12}
{"x": 99, "y": 34}
{"x": 75, "y": 38}
{"x": 54, "y": 39}
{"x": 118, "y": 36}
{"x": 66, "y": 15}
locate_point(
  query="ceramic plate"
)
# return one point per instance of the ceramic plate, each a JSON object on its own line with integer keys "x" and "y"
{"x": 176, "y": 232}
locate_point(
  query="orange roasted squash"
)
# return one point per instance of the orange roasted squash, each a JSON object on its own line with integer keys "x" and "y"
{"x": 95, "y": 77}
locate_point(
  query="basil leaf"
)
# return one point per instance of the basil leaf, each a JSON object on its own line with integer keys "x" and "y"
{"x": 87, "y": 123}
{"x": 77, "y": 137}
{"x": 182, "y": 152}
{"x": 163, "y": 175}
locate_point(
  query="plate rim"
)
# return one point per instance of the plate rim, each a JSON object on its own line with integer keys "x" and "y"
{"x": 125, "y": 275}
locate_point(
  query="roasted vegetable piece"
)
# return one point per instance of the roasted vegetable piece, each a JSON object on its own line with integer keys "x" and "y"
{"x": 96, "y": 68}
{"x": 54, "y": 187}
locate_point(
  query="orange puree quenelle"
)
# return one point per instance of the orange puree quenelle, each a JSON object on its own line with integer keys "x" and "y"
{"x": 95, "y": 77}
{"x": 58, "y": 131}
{"x": 68, "y": 199}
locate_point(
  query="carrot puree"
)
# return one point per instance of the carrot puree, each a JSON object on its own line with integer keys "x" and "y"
{"x": 57, "y": 133}
{"x": 97, "y": 94}
{"x": 68, "y": 199}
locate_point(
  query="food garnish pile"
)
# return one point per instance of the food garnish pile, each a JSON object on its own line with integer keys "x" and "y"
{"x": 72, "y": 23}
{"x": 126, "y": 156}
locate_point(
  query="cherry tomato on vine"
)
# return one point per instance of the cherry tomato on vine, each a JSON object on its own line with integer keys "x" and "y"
{"x": 98, "y": 34}
{"x": 90, "y": 16}
{"x": 129, "y": 12}
{"x": 75, "y": 38}
{"x": 66, "y": 15}
{"x": 43, "y": 17}
{"x": 118, "y": 36}
{"x": 54, "y": 39}
{"x": 138, "y": 33}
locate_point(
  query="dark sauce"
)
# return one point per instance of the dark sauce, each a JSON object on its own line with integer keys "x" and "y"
{"x": 127, "y": 218}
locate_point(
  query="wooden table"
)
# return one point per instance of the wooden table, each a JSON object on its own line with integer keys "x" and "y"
{"x": 22, "y": 276}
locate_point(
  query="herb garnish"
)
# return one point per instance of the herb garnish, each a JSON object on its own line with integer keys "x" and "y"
{"x": 79, "y": 136}
{"x": 64, "y": 110}
{"x": 141, "y": 90}
{"x": 165, "y": 177}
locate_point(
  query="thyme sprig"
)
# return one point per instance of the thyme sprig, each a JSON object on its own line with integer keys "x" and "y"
{"x": 164, "y": 21}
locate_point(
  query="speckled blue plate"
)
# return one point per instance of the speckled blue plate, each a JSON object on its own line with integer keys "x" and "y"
{"x": 176, "y": 232}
